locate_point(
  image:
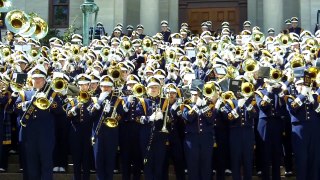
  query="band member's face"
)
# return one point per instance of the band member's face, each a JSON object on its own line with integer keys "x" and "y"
{"x": 22, "y": 65}
{"x": 46, "y": 66}
{"x": 172, "y": 96}
{"x": 138, "y": 49}
{"x": 117, "y": 33}
{"x": 94, "y": 86}
{"x": 62, "y": 62}
{"x": 38, "y": 82}
{"x": 140, "y": 31}
{"x": 247, "y": 28}
{"x": 106, "y": 89}
{"x": 194, "y": 98}
{"x": 164, "y": 28}
{"x": 84, "y": 87}
{"x": 288, "y": 26}
{"x": 154, "y": 90}
{"x": 294, "y": 24}
{"x": 149, "y": 74}
{"x": 124, "y": 74}
{"x": 184, "y": 35}
{"x": 204, "y": 29}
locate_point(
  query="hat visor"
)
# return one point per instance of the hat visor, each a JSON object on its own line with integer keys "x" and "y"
{"x": 153, "y": 84}
{"x": 83, "y": 82}
{"x": 132, "y": 82}
{"x": 38, "y": 76}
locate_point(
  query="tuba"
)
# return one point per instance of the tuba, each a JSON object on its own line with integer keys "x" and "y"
{"x": 41, "y": 28}
{"x": 17, "y": 21}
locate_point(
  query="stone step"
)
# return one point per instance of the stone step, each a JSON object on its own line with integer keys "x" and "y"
{"x": 18, "y": 176}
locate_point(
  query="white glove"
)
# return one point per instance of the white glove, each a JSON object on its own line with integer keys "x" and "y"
{"x": 96, "y": 106}
{"x": 103, "y": 95}
{"x": 196, "y": 109}
{"x": 170, "y": 76}
{"x": 73, "y": 111}
{"x": 218, "y": 104}
{"x": 107, "y": 107}
{"x": 24, "y": 106}
{"x": 305, "y": 90}
{"x": 179, "y": 101}
{"x": 269, "y": 88}
{"x": 173, "y": 76}
{"x": 241, "y": 102}
{"x": 201, "y": 102}
{"x": 130, "y": 98}
{"x": 159, "y": 115}
{"x": 152, "y": 117}
{"x": 283, "y": 86}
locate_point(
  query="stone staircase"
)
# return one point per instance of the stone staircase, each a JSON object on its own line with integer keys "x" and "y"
{"x": 13, "y": 172}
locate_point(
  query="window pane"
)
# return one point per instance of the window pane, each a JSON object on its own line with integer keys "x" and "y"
{"x": 60, "y": 15}
{"x": 55, "y": 2}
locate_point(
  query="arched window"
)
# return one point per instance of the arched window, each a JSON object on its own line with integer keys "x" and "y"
{"x": 59, "y": 13}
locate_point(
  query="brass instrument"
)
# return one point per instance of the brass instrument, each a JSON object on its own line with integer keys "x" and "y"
{"x": 111, "y": 121}
{"x": 84, "y": 97}
{"x": 75, "y": 49}
{"x": 170, "y": 55}
{"x": 59, "y": 85}
{"x": 84, "y": 50}
{"x": 297, "y": 61}
{"x": 313, "y": 72}
{"x": 126, "y": 45}
{"x": 275, "y": 75}
{"x": 17, "y": 21}
{"x": 104, "y": 52}
{"x": 239, "y": 50}
{"x": 115, "y": 73}
{"x": 209, "y": 90}
{"x": 250, "y": 65}
{"x": 30, "y": 31}
{"x": 247, "y": 89}
{"x": 285, "y": 40}
{"x": 214, "y": 46}
{"x": 138, "y": 90}
{"x": 227, "y": 95}
{"x": 42, "y": 101}
{"x": 312, "y": 42}
{"x": 147, "y": 44}
{"x": 41, "y": 28}
{"x": 34, "y": 53}
{"x": 258, "y": 37}
{"x": 232, "y": 72}
{"x": 5, "y": 51}
{"x": 203, "y": 49}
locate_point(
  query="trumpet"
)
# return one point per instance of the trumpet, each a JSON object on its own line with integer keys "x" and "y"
{"x": 138, "y": 90}
{"x": 247, "y": 89}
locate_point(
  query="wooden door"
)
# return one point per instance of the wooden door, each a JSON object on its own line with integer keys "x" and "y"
{"x": 217, "y": 15}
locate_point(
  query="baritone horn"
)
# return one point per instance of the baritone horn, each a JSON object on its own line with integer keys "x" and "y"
{"x": 247, "y": 89}
{"x": 59, "y": 85}
{"x": 209, "y": 90}
{"x": 41, "y": 28}
{"x": 138, "y": 90}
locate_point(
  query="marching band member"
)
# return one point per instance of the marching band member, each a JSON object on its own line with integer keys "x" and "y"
{"x": 130, "y": 131}
{"x": 81, "y": 127}
{"x": 153, "y": 139}
{"x": 304, "y": 109}
{"x": 106, "y": 112}
{"x": 271, "y": 107}
{"x": 240, "y": 116}
{"x": 37, "y": 120}
{"x": 199, "y": 137}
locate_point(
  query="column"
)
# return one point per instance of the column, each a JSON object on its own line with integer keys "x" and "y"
{"x": 272, "y": 15}
{"x": 120, "y": 12}
{"x": 149, "y": 16}
{"x": 173, "y": 15}
{"x": 252, "y": 12}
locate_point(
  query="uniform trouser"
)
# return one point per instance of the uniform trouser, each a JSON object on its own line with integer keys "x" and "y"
{"x": 271, "y": 132}
{"x": 259, "y": 146}
{"x": 287, "y": 144}
{"x": 220, "y": 153}
{"x": 154, "y": 159}
{"x": 80, "y": 142}
{"x": 305, "y": 141}
{"x": 105, "y": 150}
{"x": 241, "y": 152}
{"x": 60, "y": 152}
{"x": 39, "y": 144}
{"x": 4, "y": 156}
{"x": 176, "y": 153}
{"x": 130, "y": 150}
{"x": 198, "y": 151}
